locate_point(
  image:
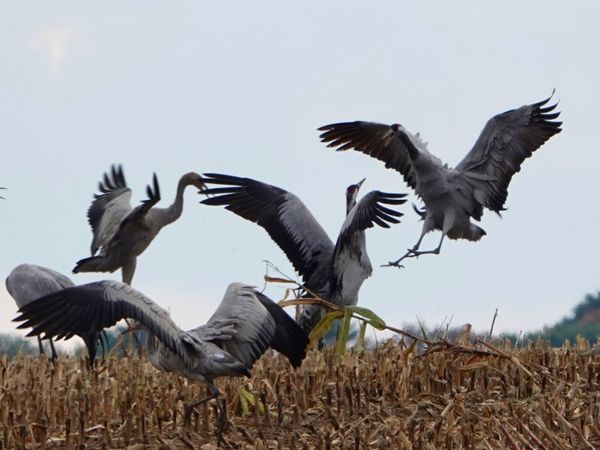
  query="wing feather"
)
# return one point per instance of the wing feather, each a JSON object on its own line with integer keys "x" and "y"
{"x": 505, "y": 142}
{"x": 109, "y": 208}
{"x": 247, "y": 323}
{"x": 89, "y": 308}
{"x": 370, "y": 211}
{"x": 388, "y": 143}
{"x": 283, "y": 215}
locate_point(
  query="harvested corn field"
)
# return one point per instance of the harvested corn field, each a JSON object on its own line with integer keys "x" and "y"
{"x": 478, "y": 396}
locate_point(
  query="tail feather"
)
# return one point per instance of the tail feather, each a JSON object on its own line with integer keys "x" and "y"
{"x": 290, "y": 339}
{"x": 476, "y": 233}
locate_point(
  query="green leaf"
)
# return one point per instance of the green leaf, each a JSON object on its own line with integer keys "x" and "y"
{"x": 323, "y": 326}
{"x": 247, "y": 397}
{"x": 340, "y": 346}
{"x": 360, "y": 341}
{"x": 374, "y": 320}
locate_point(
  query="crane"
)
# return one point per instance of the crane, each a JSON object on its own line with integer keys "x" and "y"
{"x": 452, "y": 196}
{"x": 333, "y": 272}
{"x": 29, "y": 282}
{"x": 244, "y": 326}
{"x": 121, "y": 233}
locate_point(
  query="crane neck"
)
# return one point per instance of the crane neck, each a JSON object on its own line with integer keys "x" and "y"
{"x": 350, "y": 204}
{"x": 173, "y": 212}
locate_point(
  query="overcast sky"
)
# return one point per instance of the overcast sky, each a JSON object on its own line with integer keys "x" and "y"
{"x": 241, "y": 88}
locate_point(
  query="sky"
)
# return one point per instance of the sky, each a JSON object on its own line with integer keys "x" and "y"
{"x": 241, "y": 89}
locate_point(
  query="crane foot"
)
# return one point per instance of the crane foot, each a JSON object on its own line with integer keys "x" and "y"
{"x": 410, "y": 253}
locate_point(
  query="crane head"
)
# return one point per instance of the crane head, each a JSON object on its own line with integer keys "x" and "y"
{"x": 352, "y": 192}
{"x": 194, "y": 179}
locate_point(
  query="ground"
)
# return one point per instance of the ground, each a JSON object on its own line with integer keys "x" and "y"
{"x": 481, "y": 395}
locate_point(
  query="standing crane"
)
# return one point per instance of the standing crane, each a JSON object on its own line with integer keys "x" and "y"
{"x": 29, "y": 282}
{"x": 453, "y": 196}
{"x": 333, "y": 272}
{"x": 121, "y": 232}
{"x": 243, "y": 327}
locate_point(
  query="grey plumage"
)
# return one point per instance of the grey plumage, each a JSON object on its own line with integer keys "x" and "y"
{"x": 243, "y": 327}
{"x": 29, "y": 282}
{"x": 453, "y": 196}
{"x": 332, "y": 271}
{"x": 120, "y": 232}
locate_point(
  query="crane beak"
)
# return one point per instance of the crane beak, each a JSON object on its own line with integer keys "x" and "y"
{"x": 359, "y": 184}
{"x": 201, "y": 186}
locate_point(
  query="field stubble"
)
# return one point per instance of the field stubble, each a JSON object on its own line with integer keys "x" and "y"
{"x": 449, "y": 397}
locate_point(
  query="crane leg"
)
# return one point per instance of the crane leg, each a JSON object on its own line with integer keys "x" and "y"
{"x": 54, "y": 355}
{"x": 415, "y": 252}
{"x": 448, "y": 223}
{"x": 103, "y": 339}
{"x": 221, "y": 420}
{"x": 411, "y": 253}
{"x": 435, "y": 251}
{"x": 40, "y": 346}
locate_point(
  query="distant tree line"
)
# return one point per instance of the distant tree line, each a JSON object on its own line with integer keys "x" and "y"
{"x": 12, "y": 345}
{"x": 585, "y": 321}
{"x": 116, "y": 342}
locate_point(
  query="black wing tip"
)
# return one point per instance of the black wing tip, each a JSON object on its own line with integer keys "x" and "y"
{"x": 212, "y": 177}
{"x": 546, "y": 100}
{"x": 290, "y": 339}
{"x": 330, "y": 132}
{"x": 332, "y": 126}
{"x": 152, "y": 191}
{"x": 389, "y": 198}
{"x": 111, "y": 180}
{"x": 217, "y": 200}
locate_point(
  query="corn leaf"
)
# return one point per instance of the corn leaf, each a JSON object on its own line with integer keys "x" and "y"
{"x": 245, "y": 398}
{"x": 360, "y": 341}
{"x": 340, "y": 346}
{"x": 323, "y": 326}
{"x": 374, "y": 320}
{"x": 269, "y": 279}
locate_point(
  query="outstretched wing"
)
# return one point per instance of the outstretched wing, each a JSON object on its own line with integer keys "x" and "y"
{"x": 370, "y": 211}
{"x": 388, "y": 143}
{"x": 247, "y": 323}
{"x": 109, "y": 208}
{"x": 137, "y": 215}
{"x": 90, "y": 308}
{"x": 505, "y": 142}
{"x": 28, "y": 282}
{"x": 289, "y": 223}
